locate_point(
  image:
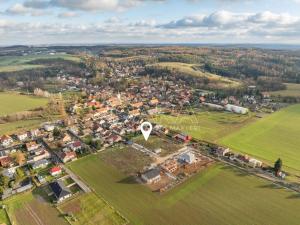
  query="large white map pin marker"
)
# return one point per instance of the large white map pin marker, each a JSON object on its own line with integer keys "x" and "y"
{"x": 146, "y": 129}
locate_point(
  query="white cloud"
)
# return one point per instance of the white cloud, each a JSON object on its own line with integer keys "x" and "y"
{"x": 222, "y": 26}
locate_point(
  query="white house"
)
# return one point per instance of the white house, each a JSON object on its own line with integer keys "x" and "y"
{"x": 49, "y": 127}
{"x": 188, "y": 157}
{"x": 22, "y": 136}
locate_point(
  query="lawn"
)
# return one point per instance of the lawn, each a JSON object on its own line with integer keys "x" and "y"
{"x": 208, "y": 125}
{"x": 190, "y": 69}
{"x": 271, "y": 137}
{"x": 219, "y": 195}
{"x": 12, "y": 102}
{"x": 18, "y": 63}
{"x": 92, "y": 210}
{"x": 293, "y": 90}
{"x": 33, "y": 209}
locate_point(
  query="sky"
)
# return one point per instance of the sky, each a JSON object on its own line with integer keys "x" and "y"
{"x": 36, "y": 22}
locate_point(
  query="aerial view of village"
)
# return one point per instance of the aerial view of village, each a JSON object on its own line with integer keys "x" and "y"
{"x": 136, "y": 120}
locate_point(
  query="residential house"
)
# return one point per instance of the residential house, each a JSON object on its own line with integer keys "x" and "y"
{"x": 67, "y": 156}
{"x": 254, "y": 163}
{"x": 31, "y": 146}
{"x": 151, "y": 176}
{"x": 6, "y": 140}
{"x": 40, "y": 164}
{"x": 48, "y": 127}
{"x": 6, "y": 162}
{"x": 60, "y": 191}
{"x": 22, "y": 136}
{"x": 188, "y": 157}
{"x": 75, "y": 146}
{"x": 55, "y": 171}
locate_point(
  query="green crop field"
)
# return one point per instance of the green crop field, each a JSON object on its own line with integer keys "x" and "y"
{"x": 274, "y": 136}
{"x": 32, "y": 209}
{"x": 190, "y": 69}
{"x": 292, "y": 90}
{"x": 11, "y": 102}
{"x": 208, "y": 125}
{"x": 219, "y": 195}
{"x": 90, "y": 209}
{"x": 18, "y": 63}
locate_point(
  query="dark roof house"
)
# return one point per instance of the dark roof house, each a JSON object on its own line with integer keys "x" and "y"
{"x": 61, "y": 192}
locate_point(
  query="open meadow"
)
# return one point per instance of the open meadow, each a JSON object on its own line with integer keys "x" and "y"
{"x": 18, "y": 63}
{"x": 274, "y": 136}
{"x": 12, "y": 102}
{"x": 208, "y": 125}
{"x": 218, "y": 195}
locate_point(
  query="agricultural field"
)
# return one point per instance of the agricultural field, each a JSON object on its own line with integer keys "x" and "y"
{"x": 208, "y": 125}
{"x": 218, "y": 195}
{"x": 274, "y": 136}
{"x": 191, "y": 69}
{"x": 18, "y": 63}
{"x": 292, "y": 90}
{"x": 33, "y": 209}
{"x": 12, "y": 102}
{"x": 90, "y": 209}
{"x": 167, "y": 147}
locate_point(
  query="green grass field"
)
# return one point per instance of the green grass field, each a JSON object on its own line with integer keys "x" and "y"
{"x": 293, "y": 90}
{"x": 3, "y": 217}
{"x": 274, "y": 136}
{"x": 18, "y": 63}
{"x": 21, "y": 125}
{"x": 12, "y": 102}
{"x": 218, "y": 195}
{"x": 32, "y": 209}
{"x": 189, "y": 69}
{"x": 90, "y": 209}
{"x": 208, "y": 125}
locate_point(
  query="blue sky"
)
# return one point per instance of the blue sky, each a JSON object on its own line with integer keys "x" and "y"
{"x": 149, "y": 21}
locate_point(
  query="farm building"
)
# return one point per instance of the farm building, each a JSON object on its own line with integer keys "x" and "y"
{"x": 213, "y": 106}
{"x": 151, "y": 176}
{"x": 188, "y": 157}
{"x": 60, "y": 191}
{"x": 236, "y": 109}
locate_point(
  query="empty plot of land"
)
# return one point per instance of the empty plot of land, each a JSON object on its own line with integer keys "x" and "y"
{"x": 209, "y": 126}
{"x": 271, "y": 137}
{"x": 154, "y": 142}
{"x": 90, "y": 209}
{"x": 219, "y": 195}
{"x": 128, "y": 160}
{"x": 12, "y": 102}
